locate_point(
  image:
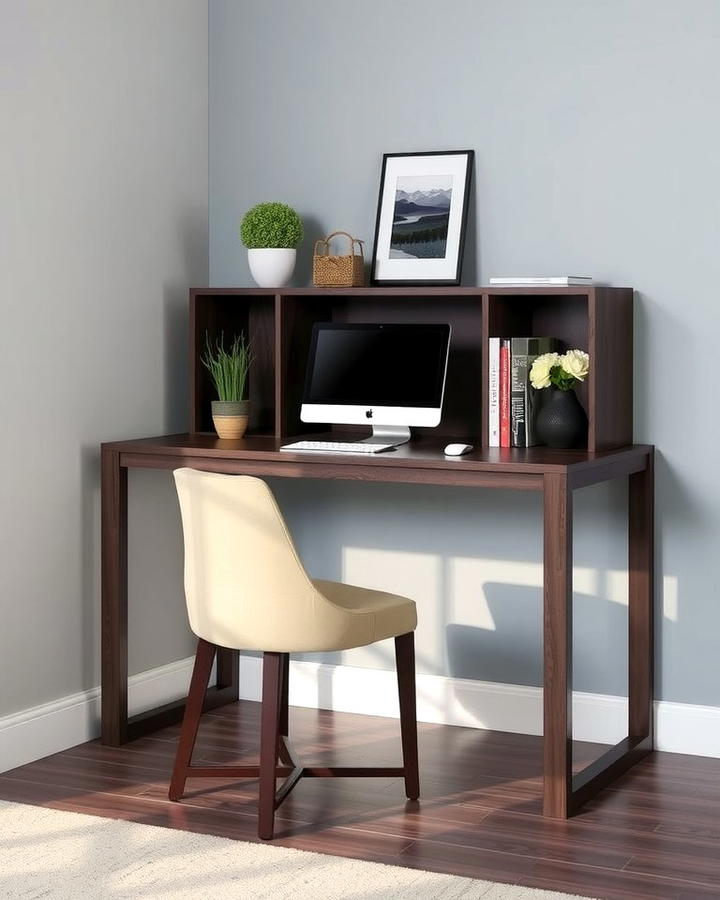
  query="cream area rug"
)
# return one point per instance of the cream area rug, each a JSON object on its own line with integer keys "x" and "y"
{"x": 45, "y": 853}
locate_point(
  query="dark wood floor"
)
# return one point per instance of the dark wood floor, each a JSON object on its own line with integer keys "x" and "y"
{"x": 656, "y": 833}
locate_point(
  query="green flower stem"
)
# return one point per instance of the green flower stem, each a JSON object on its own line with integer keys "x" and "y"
{"x": 561, "y": 379}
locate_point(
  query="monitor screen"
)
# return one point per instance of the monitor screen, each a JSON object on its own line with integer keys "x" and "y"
{"x": 377, "y": 365}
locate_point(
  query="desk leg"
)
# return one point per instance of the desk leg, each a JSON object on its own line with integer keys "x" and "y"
{"x": 116, "y": 727}
{"x": 557, "y": 630}
{"x": 564, "y": 793}
{"x": 641, "y": 541}
{"x": 114, "y": 599}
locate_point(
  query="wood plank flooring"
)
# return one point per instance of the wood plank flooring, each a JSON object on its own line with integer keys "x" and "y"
{"x": 654, "y": 834}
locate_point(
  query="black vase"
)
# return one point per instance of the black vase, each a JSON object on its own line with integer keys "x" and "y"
{"x": 561, "y": 421}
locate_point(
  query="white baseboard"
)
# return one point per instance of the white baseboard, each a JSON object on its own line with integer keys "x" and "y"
{"x": 679, "y": 727}
{"x": 52, "y": 727}
{"x": 687, "y": 728}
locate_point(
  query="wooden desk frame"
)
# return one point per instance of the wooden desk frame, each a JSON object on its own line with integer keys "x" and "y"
{"x": 557, "y": 474}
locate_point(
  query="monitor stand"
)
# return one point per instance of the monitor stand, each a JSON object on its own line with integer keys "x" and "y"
{"x": 389, "y": 434}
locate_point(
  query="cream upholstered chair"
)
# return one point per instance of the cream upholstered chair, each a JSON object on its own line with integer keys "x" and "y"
{"x": 246, "y": 588}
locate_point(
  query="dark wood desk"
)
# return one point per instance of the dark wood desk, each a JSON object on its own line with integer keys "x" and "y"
{"x": 555, "y": 473}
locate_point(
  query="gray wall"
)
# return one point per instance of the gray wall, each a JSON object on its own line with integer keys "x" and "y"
{"x": 103, "y": 226}
{"x": 598, "y": 150}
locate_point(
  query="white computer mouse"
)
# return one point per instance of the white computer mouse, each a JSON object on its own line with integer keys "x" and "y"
{"x": 457, "y": 449}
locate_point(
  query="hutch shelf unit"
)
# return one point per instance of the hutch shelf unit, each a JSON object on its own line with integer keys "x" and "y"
{"x": 279, "y": 324}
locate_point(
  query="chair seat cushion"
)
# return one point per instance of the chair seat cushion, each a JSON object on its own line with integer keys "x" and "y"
{"x": 372, "y": 615}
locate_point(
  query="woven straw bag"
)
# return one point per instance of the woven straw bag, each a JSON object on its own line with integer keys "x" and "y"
{"x": 338, "y": 271}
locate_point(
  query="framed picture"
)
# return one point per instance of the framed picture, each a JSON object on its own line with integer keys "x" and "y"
{"x": 422, "y": 218}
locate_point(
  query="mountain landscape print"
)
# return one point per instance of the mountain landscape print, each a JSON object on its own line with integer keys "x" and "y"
{"x": 420, "y": 216}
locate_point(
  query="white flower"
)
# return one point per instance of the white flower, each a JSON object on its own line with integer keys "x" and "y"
{"x": 576, "y": 363}
{"x": 540, "y": 369}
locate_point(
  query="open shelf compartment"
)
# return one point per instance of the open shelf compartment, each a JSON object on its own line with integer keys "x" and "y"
{"x": 216, "y": 314}
{"x": 279, "y": 323}
{"x": 598, "y": 320}
{"x": 462, "y": 405}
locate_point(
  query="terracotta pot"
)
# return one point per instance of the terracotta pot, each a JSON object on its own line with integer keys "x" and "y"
{"x": 230, "y": 418}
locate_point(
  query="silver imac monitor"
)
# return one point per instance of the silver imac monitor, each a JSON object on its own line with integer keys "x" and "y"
{"x": 386, "y": 376}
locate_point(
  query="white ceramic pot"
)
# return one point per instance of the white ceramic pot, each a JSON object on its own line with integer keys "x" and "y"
{"x": 272, "y": 267}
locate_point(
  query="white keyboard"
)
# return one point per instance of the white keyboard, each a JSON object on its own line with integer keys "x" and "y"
{"x": 335, "y": 447}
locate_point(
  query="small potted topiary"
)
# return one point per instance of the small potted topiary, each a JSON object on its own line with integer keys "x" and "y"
{"x": 229, "y": 372}
{"x": 271, "y": 232}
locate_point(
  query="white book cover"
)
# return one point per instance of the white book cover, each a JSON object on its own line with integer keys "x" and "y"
{"x": 535, "y": 280}
{"x": 494, "y": 393}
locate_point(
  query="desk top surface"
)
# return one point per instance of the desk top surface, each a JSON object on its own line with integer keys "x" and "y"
{"x": 423, "y": 454}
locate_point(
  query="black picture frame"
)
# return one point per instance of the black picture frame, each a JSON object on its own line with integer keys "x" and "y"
{"x": 376, "y": 278}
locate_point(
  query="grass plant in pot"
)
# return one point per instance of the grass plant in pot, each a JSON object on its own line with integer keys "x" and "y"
{"x": 229, "y": 372}
{"x": 271, "y": 232}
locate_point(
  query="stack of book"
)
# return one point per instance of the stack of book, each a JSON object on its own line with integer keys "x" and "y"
{"x": 512, "y": 401}
{"x": 541, "y": 281}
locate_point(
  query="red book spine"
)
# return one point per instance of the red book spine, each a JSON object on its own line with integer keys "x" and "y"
{"x": 505, "y": 393}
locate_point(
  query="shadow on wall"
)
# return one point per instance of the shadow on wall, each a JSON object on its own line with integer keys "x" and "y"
{"x": 175, "y": 330}
{"x": 511, "y": 653}
{"x": 677, "y": 512}
{"x": 193, "y": 240}
{"x": 477, "y": 574}
{"x": 471, "y": 261}
{"x": 312, "y": 231}
{"x": 652, "y": 320}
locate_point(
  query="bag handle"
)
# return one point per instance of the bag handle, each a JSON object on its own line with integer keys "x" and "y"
{"x": 326, "y": 242}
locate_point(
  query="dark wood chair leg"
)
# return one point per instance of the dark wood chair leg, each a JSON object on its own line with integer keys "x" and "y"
{"x": 405, "y": 663}
{"x": 204, "y": 657}
{"x": 269, "y": 736}
{"x": 284, "y": 693}
{"x": 284, "y": 753}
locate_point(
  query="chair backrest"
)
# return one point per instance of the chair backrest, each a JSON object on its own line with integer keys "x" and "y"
{"x": 244, "y": 583}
